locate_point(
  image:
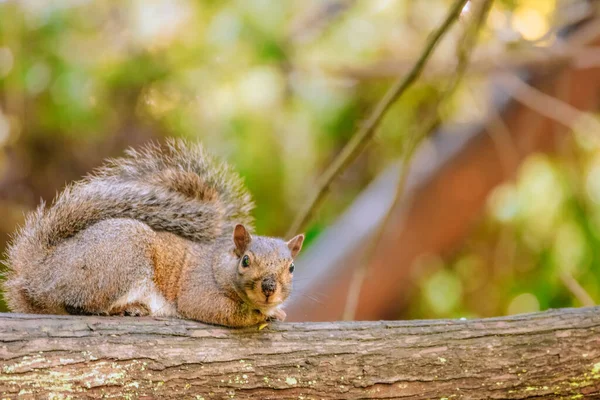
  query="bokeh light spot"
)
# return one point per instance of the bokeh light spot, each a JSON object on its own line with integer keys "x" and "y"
{"x": 523, "y": 303}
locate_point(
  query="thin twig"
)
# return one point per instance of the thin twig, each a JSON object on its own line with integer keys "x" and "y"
{"x": 484, "y": 64}
{"x": 464, "y": 48}
{"x": 549, "y": 106}
{"x": 575, "y": 54}
{"x": 502, "y": 140}
{"x": 308, "y": 26}
{"x": 366, "y": 131}
{"x": 508, "y": 155}
{"x": 576, "y": 289}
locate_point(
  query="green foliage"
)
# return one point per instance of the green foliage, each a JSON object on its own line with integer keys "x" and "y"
{"x": 256, "y": 81}
{"x": 536, "y": 229}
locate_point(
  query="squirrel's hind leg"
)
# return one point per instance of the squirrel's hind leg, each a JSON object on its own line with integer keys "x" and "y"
{"x": 135, "y": 309}
{"x": 105, "y": 266}
{"x": 73, "y": 310}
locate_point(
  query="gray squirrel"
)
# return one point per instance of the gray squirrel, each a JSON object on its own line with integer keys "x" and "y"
{"x": 164, "y": 231}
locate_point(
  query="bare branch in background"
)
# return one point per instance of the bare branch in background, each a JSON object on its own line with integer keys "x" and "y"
{"x": 316, "y": 21}
{"x": 504, "y": 143}
{"x": 576, "y": 289}
{"x": 465, "y": 44}
{"x": 367, "y": 130}
{"x": 557, "y": 55}
{"x": 500, "y": 135}
{"x": 484, "y": 64}
{"x": 549, "y": 106}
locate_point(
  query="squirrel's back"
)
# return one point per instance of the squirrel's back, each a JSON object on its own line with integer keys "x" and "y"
{"x": 177, "y": 188}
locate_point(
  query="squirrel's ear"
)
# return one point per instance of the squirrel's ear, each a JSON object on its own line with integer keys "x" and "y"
{"x": 241, "y": 238}
{"x": 295, "y": 244}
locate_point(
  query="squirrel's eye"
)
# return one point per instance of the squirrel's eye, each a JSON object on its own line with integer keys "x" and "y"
{"x": 292, "y": 268}
{"x": 245, "y": 261}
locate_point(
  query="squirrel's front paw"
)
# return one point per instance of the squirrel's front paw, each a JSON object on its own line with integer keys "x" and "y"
{"x": 277, "y": 315}
{"x": 131, "y": 310}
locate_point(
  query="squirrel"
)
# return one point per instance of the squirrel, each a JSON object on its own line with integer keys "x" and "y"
{"x": 163, "y": 231}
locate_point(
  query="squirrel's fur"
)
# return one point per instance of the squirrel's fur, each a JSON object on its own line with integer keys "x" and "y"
{"x": 151, "y": 233}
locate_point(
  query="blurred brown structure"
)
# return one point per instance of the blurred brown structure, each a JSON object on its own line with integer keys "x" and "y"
{"x": 447, "y": 190}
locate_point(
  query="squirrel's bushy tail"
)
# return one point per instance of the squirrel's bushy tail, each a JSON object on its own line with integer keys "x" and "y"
{"x": 176, "y": 188}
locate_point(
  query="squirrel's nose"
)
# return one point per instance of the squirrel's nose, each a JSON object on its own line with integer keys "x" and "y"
{"x": 268, "y": 286}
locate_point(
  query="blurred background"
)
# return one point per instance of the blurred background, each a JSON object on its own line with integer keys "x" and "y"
{"x": 501, "y": 209}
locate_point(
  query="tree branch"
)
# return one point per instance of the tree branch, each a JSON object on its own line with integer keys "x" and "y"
{"x": 310, "y": 24}
{"x": 549, "y": 106}
{"x": 464, "y": 47}
{"x": 366, "y": 131}
{"x": 483, "y": 64}
{"x": 576, "y": 289}
{"x": 544, "y": 355}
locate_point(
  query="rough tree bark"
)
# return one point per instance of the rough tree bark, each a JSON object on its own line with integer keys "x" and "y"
{"x": 553, "y": 354}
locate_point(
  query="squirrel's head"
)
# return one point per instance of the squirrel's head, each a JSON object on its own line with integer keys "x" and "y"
{"x": 265, "y": 267}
